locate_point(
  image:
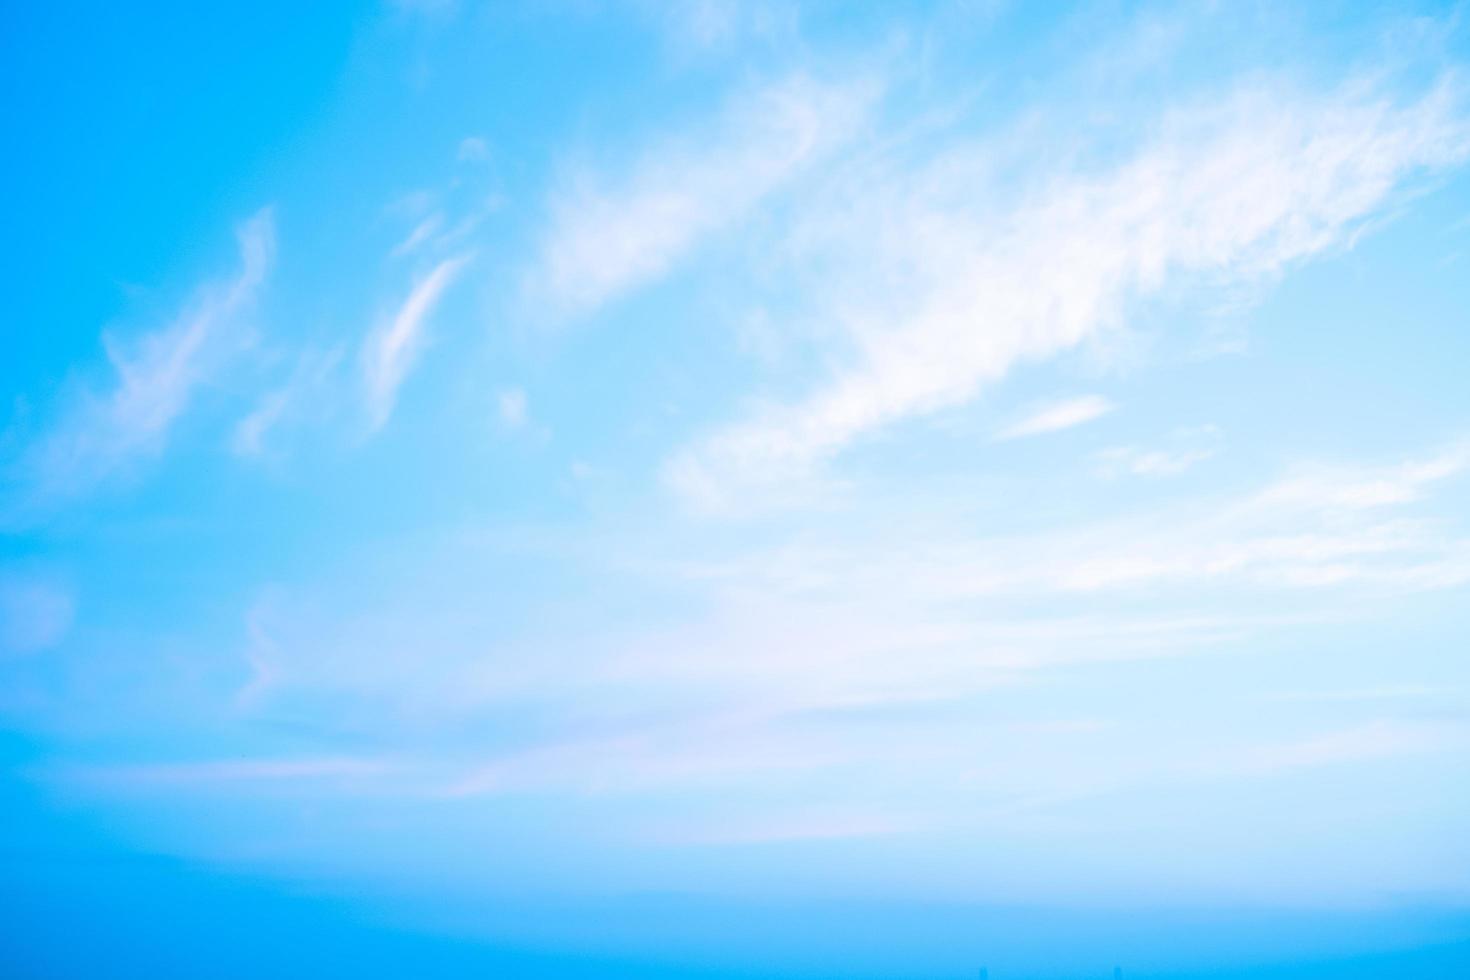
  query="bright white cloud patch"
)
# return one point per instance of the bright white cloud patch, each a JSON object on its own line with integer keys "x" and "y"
{"x": 1331, "y": 488}
{"x": 608, "y": 236}
{"x": 804, "y": 645}
{"x": 1058, "y": 416}
{"x": 1376, "y": 741}
{"x": 390, "y": 352}
{"x": 1296, "y": 532}
{"x": 946, "y": 287}
{"x": 157, "y": 376}
{"x": 1150, "y": 462}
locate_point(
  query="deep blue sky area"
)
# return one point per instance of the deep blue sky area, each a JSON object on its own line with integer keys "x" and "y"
{"x": 79, "y": 904}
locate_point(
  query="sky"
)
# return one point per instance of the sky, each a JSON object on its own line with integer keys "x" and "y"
{"x": 735, "y": 489}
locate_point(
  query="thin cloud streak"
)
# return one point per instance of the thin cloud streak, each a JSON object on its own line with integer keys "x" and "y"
{"x": 35, "y": 614}
{"x": 956, "y": 295}
{"x": 1056, "y": 417}
{"x": 800, "y": 645}
{"x": 283, "y": 404}
{"x": 1149, "y": 462}
{"x": 606, "y": 238}
{"x": 1314, "y": 528}
{"x": 390, "y": 352}
{"x": 156, "y": 379}
{"x": 511, "y": 406}
{"x": 1376, "y": 741}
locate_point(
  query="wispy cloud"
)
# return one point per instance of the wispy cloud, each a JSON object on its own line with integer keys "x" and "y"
{"x": 1352, "y": 488}
{"x": 917, "y": 293}
{"x": 511, "y": 404}
{"x": 1150, "y": 462}
{"x": 1057, "y": 416}
{"x": 262, "y": 656}
{"x": 945, "y": 287}
{"x": 473, "y": 149}
{"x": 607, "y": 237}
{"x": 1379, "y": 740}
{"x": 156, "y": 378}
{"x": 390, "y": 352}
{"x": 279, "y": 405}
{"x": 1185, "y": 448}
{"x": 35, "y": 613}
{"x": 706, "y": 26}
{"x": 701, "y": 750}
{"x": 421, "y": 233}
{"x": 842, "y": 651}
{"x": 1292, "y": 534}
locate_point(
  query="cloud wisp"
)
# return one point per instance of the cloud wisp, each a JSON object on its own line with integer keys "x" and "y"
{"x": 35, "y": 614}
{"x": 391, "y": 351}
{"x": 283, "y": 404}
{"x": 809, "y": 656}
{"x": 157, "y": 376}
{"x": 1057, "y": 416}
{"x": 921, "y": 310}
{"x": 945, "y": 288}
{"x": 512, "y": 408}
{"x": 1315, "y": 527}
{"x": 608, "y": 237}
{"x": 1149, "y": 462}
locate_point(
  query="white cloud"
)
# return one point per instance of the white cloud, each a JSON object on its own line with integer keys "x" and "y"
{"x": 262, "y": 655}
{"x": 846, "y": 658}
{"x": 946, "y": 281}
{"x": 703, "y": 23}
{"x": 35, "y": 614}
{"x": 1295, "y": 534}
{"x": 1151, "y": 462}
{"x": 279, "y": 405}
{"x": 390, "y": 351}
{"x": 609, "y": 237}
{"x": 703, "y": 26}
{"x": 512, "y": 405}
{"x": 1058, "y": 416}
{"x": 421, "y": 233}
{"x": 250, "y": 431}
{"x": 156, "y": 378}
{"x": 444, "y": 218}
{"x": 473, "y": 149}
{"x": 880, "y": 613}
{"x": 1189, "y": 447}
{"x": 1356, "y": 488}
{"x": 1385, "y": 739}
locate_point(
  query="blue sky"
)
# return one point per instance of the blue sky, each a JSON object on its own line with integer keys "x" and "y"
{"x": 736, "y": 489}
